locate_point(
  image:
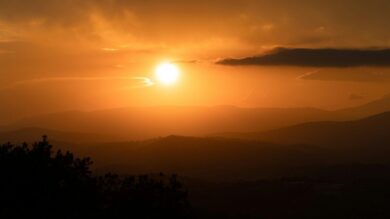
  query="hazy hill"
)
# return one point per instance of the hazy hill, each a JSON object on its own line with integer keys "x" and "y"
{"x": 368, "y": 109}
{"x": 33, "y": 134}
{"x": 374, "y": 130}
{"x": 150, "y": 122}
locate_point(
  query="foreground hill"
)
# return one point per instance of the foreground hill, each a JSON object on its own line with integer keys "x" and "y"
{"x": 63, "y": 183}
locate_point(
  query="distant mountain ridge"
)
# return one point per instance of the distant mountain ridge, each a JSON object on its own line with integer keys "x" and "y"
{"x": 149, "y": 122}
{"x": 33, "y": 134}
{"x": 372, "y": 130}
{"x": 368, "y": 109}
{"x": 141, "y": 123}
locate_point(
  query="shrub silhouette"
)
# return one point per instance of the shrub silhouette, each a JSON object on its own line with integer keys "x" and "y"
{"x": 36, "y": 182}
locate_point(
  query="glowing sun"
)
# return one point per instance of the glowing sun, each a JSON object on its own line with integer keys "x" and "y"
{"x": 167, "y": 73}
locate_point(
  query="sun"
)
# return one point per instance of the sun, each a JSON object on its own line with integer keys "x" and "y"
{"x": 167, "y": 73}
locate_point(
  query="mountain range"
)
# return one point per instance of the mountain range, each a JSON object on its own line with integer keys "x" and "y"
{"x": 284, "y": 151}
{"x": 139, "y": 123}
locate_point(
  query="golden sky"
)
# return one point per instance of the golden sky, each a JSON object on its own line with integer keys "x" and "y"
{"x": 58, "y": 55}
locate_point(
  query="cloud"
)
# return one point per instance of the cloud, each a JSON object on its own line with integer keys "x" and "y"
{"x": 276, "y": 24}
{"x": 317, "y": 57}
{"x": 136, "y": 81}
{"x": 189, "y": 61}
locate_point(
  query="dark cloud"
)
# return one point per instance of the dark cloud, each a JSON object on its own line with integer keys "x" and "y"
{"x": 258, "y": 22}
{"x": 321, "y": 57}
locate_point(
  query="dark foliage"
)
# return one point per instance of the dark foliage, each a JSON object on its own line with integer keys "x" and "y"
{"x": 338, "y": 192}
{"x": 36, "y": 182}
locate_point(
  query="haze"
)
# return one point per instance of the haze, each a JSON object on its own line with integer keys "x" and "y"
{"x": 86, "y": 55}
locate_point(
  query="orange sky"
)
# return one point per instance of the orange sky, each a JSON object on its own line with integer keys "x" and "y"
{"x": 93, "y": 54}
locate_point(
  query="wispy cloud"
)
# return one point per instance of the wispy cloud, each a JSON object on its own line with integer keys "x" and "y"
{"x": 137, "y": 82}
{"x": 110, "y": 49}
{"x": 308, "y": 74}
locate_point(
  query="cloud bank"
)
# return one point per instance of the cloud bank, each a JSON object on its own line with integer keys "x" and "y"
{"x": 318, "y": 57}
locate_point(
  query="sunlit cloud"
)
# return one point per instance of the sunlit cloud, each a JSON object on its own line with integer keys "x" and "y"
{"x": 308, "y": 74}
{"x": 110, "y": 49}
{"x": 142, "y": 82}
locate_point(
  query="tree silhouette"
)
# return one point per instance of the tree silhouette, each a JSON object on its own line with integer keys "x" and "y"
{"x": 37, "y": 182}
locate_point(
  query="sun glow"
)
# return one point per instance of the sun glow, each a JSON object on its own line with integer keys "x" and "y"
{"x": 167, "y": 73}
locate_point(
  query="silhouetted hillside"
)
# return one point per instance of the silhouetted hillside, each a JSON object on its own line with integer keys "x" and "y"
{"x": 41, "y": 184}
{"x": 37, "y": 182}
{"x": 328, "y": 196}
{"x": 206, "y": 158}
{"x": 307, "y": 181}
